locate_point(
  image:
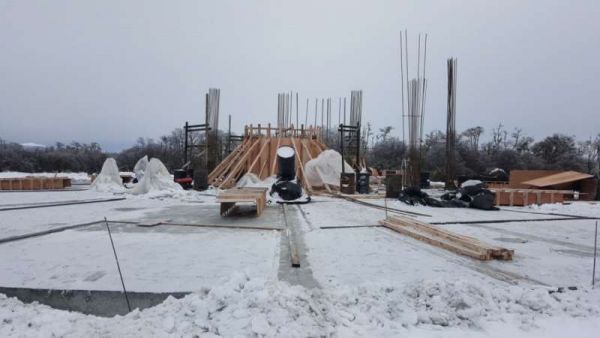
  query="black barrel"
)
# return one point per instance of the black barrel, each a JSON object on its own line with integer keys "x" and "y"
{"x": 393, "y": 185}
{"x": 286, "y": 161}
{"x": 179, "y": 173}
{"x": 200, "y": 179}
{"x": 347, "y": 183}
{"x": 362, "y": 183}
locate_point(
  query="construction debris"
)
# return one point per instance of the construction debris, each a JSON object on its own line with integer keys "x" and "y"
{"x": 445, "y": 239}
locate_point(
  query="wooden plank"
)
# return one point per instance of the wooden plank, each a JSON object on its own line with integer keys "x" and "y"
{"x": 448, "y": 240}
{"x": 238, "y": 167}
{"x": 436, "y": 242}
{"x": 294, "y": 258}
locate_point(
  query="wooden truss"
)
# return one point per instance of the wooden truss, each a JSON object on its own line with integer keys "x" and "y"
{"x": 257, "y": 154}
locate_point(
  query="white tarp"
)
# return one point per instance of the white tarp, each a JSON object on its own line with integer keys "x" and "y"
{"x": 156, "y": 178}
{"x": 140, "y": 167}
{"x": 109, "y": 179}
{"x": 326, "y": 168}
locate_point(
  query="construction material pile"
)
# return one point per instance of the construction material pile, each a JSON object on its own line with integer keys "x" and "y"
{"x": 463, "y": 245}
{"x": 471, "y": 194}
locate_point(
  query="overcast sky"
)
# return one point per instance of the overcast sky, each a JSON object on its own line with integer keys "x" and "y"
{"x": 111, "y": 71}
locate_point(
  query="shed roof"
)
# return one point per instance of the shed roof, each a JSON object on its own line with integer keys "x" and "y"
{"x": 554, "y": 179}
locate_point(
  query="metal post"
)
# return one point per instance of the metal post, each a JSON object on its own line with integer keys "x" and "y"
{"x": 229, "y": 136}
{"x": 185, "y": 150}
{"x": 595, "y": 245}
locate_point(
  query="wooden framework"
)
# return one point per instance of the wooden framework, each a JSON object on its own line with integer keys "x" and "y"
{"x": 229, "y": 198}
{"x": 460, "y": 244}
{"x": 257, "y": 154}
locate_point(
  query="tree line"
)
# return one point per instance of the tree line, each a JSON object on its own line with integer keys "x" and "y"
{"x": 474, "y": 156}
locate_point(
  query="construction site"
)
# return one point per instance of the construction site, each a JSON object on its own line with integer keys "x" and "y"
{"x": 285, "y": 228}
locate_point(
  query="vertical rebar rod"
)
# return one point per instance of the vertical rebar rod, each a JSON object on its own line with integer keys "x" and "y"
{"x": 306, "y": 116}
{"x": 118, "y": 266}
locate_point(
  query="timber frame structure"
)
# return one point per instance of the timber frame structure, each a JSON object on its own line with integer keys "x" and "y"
{"x": 257, "y": 154}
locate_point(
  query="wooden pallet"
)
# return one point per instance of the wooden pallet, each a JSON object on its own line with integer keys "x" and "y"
{"x": 460, "y": 244}
{"x": 228, "y": 199}
{"x": 34, "y": 183}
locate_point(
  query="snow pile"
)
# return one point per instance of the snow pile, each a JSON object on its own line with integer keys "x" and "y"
{"x": 109, "y": 179}
{"x": 157, "y": 179}
{"x": 76, "y": 178}
{"x": 251, "y": 180}
{"x": 326, "y": 168}
{"x": 589, "y": 209}
{"x": 140, "y": 167}
{"x": 250, "y": 307}
{"x": 471, "y": 183}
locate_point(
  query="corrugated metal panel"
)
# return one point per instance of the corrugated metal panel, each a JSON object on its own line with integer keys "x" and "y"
{"x": 564, "y": 177}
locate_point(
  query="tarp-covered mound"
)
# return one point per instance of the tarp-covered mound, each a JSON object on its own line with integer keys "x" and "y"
{"x": 156, "y": 178}
{"x": 140, "y": 167}
{"x": 326, "y": 168}
{"x": 109, "y": 179}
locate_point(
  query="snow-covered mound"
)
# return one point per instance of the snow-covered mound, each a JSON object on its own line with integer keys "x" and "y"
{"x": 140, "y": 167}
{"x": 245, "y": 307}
{"x": 471, "y": 183}
{"x": 109, "y": 179}
{"x": 326, "y": 168}
{"x": 156, "y": 179}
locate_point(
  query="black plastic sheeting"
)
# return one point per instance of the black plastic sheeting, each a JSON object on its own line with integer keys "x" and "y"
{"x": 473, "y": 196}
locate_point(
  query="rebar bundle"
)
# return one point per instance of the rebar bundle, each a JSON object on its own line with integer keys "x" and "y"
{"x": 355, "y": 107}
{"x": 451, "y": 126}
{"x": 414, "y": 94}
{"x": 212, "y": 108}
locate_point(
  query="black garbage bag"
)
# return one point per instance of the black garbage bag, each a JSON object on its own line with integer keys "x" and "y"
{"x": 448, "y": 196}
{"x": 413, "y": 196}
{"x": 483, "y": 200}
{"x": 471, "y": 190}
{"x": 287, "y": 190}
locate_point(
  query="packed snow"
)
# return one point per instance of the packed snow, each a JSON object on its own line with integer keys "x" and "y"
{"x": 243, "y": 307}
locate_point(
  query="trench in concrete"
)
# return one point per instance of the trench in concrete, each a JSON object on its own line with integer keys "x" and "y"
{"x": 93, "y": 302}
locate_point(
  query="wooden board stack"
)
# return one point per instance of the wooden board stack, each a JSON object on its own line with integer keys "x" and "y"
{"x": 445, "y": 239}
{"x": 34, "y": 183}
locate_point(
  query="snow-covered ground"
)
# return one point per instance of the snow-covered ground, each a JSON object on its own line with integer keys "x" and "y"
{"x": 372, "y": 281}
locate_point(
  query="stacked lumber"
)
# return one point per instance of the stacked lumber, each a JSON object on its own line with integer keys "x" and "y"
{"x": 523, "y": 197}
{"x": 257, "y": 154}
{"x": 460, "y": 244}
{"x": 228, "y": 199}
{"x": 34, "y": 183}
